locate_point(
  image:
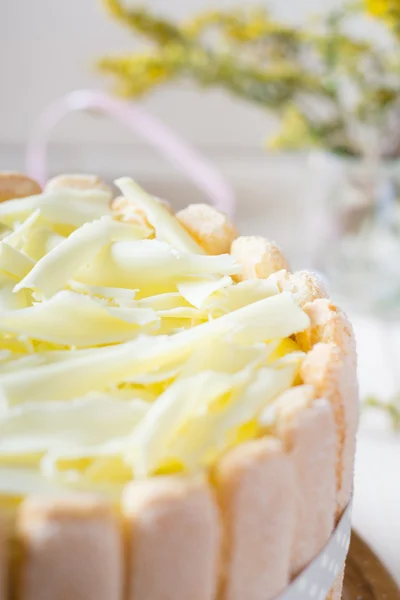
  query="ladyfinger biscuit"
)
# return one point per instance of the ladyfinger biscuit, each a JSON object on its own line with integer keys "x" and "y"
{"x": 304, "y": 285}
{"x": 71, "y": 549}
{"x": 336, "y": 372}
{"x": 77, "y": 182}
{"x": 256, "y": 484}
{"x": 258, "y": 257}
{"x": 173, "y": 539}
{"x": 308, "y": 433}
{"x": 17, "y": 185}
{"x": 333, "y": 374}
{"x": 211, "y": 229}
{"x": 330, "y": 325}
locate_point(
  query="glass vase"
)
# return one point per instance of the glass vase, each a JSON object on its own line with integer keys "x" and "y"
{"x": 359, "y": 247}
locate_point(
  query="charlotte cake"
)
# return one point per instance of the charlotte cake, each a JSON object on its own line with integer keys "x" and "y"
{"x": 178, "y": 409}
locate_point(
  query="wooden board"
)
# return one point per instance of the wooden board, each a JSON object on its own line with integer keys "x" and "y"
{"x": 366, "y": 578}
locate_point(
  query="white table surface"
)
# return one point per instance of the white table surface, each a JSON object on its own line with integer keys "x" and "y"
{"x": 376, "y": 508}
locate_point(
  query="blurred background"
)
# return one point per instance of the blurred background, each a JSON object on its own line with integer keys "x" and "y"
{"x": 301, "y": 117}
{"x": 50, "y": 48}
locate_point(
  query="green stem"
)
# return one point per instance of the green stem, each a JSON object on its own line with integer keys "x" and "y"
{"x": 391, "y": 408}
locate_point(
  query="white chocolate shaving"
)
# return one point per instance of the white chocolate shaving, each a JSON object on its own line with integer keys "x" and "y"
{"x": 125, "y": 350}
{"x": 166, "y": 225}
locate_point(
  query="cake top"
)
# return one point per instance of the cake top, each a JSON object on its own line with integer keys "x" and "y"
{"x": 130, "y": 344}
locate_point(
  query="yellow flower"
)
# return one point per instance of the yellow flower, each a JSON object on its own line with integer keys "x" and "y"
{"x": 199, "y": 24}
{"x": 140, "y": 73}
{"x": 241, "y": 26}
{"x": 378, "y": 8}
{"x": 294, "y": 132}
{"x": 250, "y": 31}
{"x": 388, "y": 10}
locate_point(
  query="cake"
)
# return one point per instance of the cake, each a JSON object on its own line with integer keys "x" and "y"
{"x": 178, "y": 409}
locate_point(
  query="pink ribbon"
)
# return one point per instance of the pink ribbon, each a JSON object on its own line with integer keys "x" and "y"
{"x": 176, "y": 150}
